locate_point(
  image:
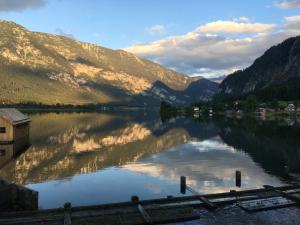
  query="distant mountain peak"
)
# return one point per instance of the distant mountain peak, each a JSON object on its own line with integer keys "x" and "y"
{"x": 218, "y": 79}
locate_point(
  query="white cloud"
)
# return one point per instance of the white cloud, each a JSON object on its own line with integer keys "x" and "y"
{"x": 20, "y": 5}
{"x": 242, "y": 19}
{"x": 215, "y": 53}
{"x": 288, "y": 4}
{"x": 293, "y": 18}
{"x": 157, "y": 30}
{"x": 221, "y": 26}
{"x": 293, "y": 24}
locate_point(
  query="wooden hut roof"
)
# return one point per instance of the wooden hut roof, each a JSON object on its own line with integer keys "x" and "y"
{"x": 14, "y": 116}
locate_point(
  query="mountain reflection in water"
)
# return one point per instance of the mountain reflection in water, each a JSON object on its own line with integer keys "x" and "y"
{"x": 93, "y": 158}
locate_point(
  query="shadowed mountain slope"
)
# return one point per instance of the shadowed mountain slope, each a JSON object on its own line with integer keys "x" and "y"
{"x": 276, "y": 74}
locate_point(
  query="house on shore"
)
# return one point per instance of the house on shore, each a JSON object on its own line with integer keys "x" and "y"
{"x": 14, "y": 127}
{"x": 196, "y": 109}
{"x": 290, "y": 108}
{"x": 14, "y": 134}
{"x": 197, "y": 112}
{"x": 261, "y": 112}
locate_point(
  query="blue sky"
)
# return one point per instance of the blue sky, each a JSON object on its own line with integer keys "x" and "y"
{"x": 160, "y": 29}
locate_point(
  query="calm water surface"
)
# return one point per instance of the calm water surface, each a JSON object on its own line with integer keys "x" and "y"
{"x": 94, "y": 158}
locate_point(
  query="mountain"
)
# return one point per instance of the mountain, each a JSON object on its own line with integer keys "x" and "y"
{"x": 218, "y": 79}
{"x": 274, "y": 75}
{"x": 207, "y": 91}
{"x": 50, "y": 69}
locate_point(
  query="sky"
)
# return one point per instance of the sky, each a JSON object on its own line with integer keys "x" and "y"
{"x": 209, "y": 38}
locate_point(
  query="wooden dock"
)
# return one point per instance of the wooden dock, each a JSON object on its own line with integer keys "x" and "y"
{"x": 159, "y": 211}
{"x": 17, "y": 198}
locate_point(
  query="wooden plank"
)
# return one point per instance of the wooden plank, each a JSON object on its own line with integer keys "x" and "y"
{"x": 158, "y": 215}
{"x": 254, "y": 193}
{"x": 67, "y": 218}
{"x": 208, "y": 203}
{"x": 173, "y": 215}
{"x": 29, "y": 221}
{"x": 167, "y": 213}
{"x": 6, "y": 142}
{"x": 205, "y": 200}
{"x": 265, "y": 204}
{"x": 288, "y": 196}
{"x": 145, "y": 215}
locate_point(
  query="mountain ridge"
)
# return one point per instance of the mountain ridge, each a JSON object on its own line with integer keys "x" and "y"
{"x": 51, "y": 69}
{"x": 274, "y": 75}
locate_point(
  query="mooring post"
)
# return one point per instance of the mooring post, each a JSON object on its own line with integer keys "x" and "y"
{"x": 144, "y": 214}
{"x": 183, "y": 184}
{"x": 238, "y": 178}
{"x": 67, "y": 214}
{"x": 135, "y": 199}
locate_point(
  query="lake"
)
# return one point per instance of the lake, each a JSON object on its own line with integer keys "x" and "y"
{"x": 95, "y": 158}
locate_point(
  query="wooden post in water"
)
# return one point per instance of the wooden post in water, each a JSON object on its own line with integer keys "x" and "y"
{"x": 183, "y": 185}
{"x": 67, "y": 213}
{"x": 238, "y": 178}
{"x": 135, "y": 199}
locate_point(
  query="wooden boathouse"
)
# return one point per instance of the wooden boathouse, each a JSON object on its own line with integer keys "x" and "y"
{"x": 14, "y": 127}
{"x": 14, "y": 139}
{"x": 14, "y": 134}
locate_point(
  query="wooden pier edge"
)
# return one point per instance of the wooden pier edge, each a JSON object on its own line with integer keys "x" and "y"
{"x": 155, "y": 211}
{"x": 156, "y": 201}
